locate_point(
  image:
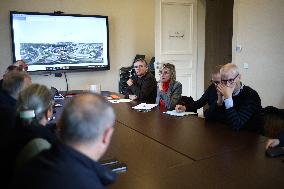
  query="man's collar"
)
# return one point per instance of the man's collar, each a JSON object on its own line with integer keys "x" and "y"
{"x": 238, "y": 91}
{"x": 105, "y": 175}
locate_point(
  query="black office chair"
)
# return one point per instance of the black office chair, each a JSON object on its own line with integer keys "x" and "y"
{"x": 273, "y": 121}
{"x": 30, "y": 150}
{"x": 151, "y": 65}
{"x": 139, "y": 56}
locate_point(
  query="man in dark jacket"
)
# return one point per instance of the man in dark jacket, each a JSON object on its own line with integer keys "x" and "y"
{"x": 209, "y": 97}
{"x": 9, "y": 69}
{"x": 86, "y": 129}
{"x": 142, "y": 86}
{"x": 232, "y": 102}
{"x": 13, "y": 83}
{"x": 240, "y": 104}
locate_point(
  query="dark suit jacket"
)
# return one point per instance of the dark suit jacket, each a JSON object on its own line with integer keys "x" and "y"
{"x": 7, "y": 113}
{"x": 63, "y": 167}
{"x": 15, "y": 140}
{"x": 145, "y": 88}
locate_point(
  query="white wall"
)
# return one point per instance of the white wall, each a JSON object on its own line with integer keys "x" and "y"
{"x": 131, "y": 32}
{"x": 259, "y": 29}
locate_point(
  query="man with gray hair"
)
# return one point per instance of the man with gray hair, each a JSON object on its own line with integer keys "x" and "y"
{"x": 9, "y": 69}
{"x": 86, "y": 128}
{"x": 142, "y": 86}
{"x": 240, "y": 104}
{"x": 15, "y": 81}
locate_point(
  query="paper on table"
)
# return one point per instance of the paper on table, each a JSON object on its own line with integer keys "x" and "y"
{"x": 124, "y": 100}
{"x": 58, "y": 97}
{"x": 119, "y": 100}
{"x": 175, "y": 113}
{"x": 144, "y": 106}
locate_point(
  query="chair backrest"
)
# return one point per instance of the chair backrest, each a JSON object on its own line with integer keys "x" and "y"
{"x": 151, "y": 65}
{"x": 273, "y": 121}
{"x": 138, "y": 56}
{"x": 30, "y": 150}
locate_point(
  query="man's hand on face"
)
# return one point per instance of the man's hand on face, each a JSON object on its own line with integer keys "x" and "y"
{"x": 129, "y": 82}
{"x": 225, "y": 90}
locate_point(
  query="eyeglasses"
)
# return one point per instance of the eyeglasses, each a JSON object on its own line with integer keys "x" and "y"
{"x": 230, "y": 81}
{"x": 215, "y": 82}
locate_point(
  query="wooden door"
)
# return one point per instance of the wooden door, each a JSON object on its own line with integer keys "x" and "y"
{"x": 176, "y": 40}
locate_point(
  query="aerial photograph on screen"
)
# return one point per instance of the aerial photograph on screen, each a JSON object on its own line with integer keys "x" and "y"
{"x": 61, "y": 53}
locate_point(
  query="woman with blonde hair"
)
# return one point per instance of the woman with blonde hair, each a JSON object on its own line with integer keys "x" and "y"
{"x": 169, "y": 90}
{"x": 34, "y": 110}
{"x": 34, "y": 105}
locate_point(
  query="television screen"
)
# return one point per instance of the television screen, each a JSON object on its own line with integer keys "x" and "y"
{"x": 60, "y": 42}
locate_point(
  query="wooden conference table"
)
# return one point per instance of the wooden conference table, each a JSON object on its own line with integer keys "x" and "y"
{"x": 163, "y": 151}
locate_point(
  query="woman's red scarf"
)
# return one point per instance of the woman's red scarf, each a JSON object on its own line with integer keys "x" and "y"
{"x": 165, "y": 87}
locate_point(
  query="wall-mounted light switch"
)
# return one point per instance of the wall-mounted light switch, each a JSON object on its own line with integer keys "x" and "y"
{"x": 238, "y": 48}
{"x": 246, "y": 66}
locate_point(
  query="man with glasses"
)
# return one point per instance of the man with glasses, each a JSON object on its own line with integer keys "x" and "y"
{"x": 142, "y": 86}
{"x": 241, "y": 104}
{"x": 209, "y": 97}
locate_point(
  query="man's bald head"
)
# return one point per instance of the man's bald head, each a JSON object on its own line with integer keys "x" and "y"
{"x": 85, "y": 118}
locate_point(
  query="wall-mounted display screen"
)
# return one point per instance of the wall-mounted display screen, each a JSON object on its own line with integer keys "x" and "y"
{"x": 60, "y": 42}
